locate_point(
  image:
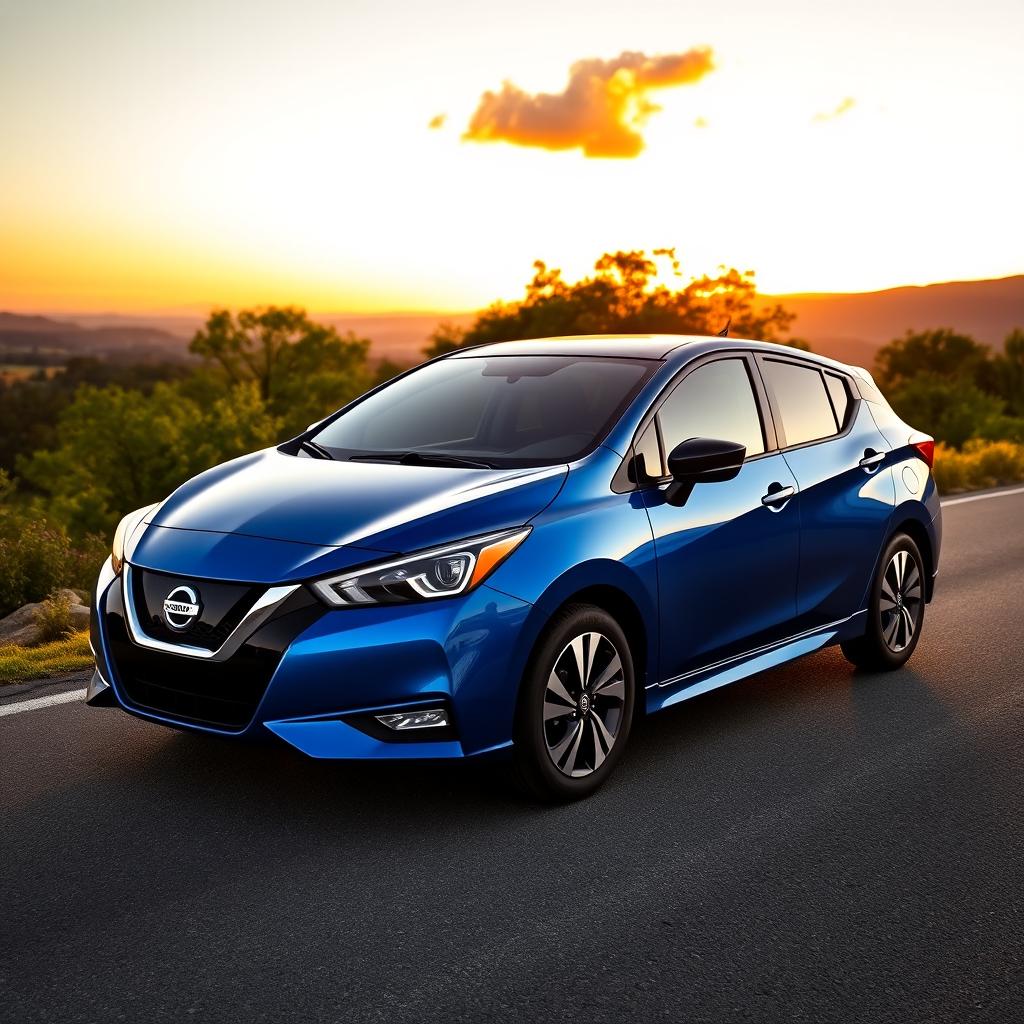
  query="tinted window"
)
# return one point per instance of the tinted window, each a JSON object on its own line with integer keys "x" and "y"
{"x": 717, "y": 401}
{"x": 647, "y": 447}
{"x": 840, "y": 397}
{"x": 503, "y": 410}
{"x": 802, "y": 400}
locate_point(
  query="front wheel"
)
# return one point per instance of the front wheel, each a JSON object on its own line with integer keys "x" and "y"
{"x": 895, "y": 611}
{"x": 576, "y": 706}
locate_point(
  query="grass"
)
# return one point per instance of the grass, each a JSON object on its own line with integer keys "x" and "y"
{"x": 68, "y": 655}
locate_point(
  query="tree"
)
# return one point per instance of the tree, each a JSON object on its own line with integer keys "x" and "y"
{"x": 118, "y": 450}
{"x": 952, "y": 411}
{"x": 623, "y": 296}
{"x": 1008, "y": 372}
{"x": 29, "y": 408}
{"x": 941, "y": 353}
{"x": 302, "y": 369}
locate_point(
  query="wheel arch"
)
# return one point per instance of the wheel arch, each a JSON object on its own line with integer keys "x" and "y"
{"x": 618, "y": 593}
{"x": 918, "y": 533}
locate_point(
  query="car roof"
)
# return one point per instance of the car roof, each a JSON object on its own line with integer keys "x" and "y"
{"x": 676, "y": 348}
{"x": 641, "y": 346}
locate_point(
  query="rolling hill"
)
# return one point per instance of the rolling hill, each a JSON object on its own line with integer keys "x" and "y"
{"x": 850, "y": 327}
{"x": 45, "y": 340}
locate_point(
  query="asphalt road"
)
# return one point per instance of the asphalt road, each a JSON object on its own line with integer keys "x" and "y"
{"x": 812, "y": 844}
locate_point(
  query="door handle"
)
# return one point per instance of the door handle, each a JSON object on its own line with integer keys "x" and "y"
{"x": 871, "y": 460}
{"x": 774, "y": 500}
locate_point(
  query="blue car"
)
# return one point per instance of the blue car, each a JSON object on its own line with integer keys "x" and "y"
{"x": 519, "y": 549}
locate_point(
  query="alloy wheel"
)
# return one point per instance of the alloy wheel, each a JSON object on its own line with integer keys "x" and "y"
{"x": 583, "y": 704}
{"x": 900, "y": 601}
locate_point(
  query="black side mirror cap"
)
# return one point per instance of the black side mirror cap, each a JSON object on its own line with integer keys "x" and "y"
{"x": 702, "y": 460}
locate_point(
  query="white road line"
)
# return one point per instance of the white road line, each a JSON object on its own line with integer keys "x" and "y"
{"x": 41, "y": 702}
{"x": 981, "y": 497}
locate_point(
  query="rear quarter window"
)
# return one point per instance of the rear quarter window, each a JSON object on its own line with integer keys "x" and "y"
{"x": 840, "y": 396}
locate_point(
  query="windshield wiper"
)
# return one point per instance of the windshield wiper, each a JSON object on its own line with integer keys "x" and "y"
{"x": 318, "y": 451}
{"x": 421, "y": 459}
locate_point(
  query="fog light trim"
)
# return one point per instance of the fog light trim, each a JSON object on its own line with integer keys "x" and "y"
{"x": 417, "y": 718}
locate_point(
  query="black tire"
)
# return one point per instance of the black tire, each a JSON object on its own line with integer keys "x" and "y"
{"x": 896, "y": 603}
{"x": 565, "y": 757}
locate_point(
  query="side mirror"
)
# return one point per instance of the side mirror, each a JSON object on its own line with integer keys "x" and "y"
{"x": 701, "y": 460}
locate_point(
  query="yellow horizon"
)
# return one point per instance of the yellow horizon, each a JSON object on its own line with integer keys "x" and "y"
{"x": 158, "y": 164}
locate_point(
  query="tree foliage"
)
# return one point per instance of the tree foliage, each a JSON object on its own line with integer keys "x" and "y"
{"x": 29, "y": 409}
{"x": 623, "y": 296}
{"x": 301, "y": 369}
{"x": 952, "y": 386}
{"x": 118, "y": 449}
{"x": 942, "y": 353}
{"x": 1008, "y": 372}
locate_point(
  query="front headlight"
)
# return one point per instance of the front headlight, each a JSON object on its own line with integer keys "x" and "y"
{"x": 122, "y": 534}
{"x": 438, "y": 572}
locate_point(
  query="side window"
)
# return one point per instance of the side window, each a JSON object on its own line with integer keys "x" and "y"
{"x": 840, "y": 397}
{"x": 715, "y": 400}
{"x": 803, "y": 401}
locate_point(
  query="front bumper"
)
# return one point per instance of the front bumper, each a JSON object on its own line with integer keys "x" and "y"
{"x": 311, "y": 675}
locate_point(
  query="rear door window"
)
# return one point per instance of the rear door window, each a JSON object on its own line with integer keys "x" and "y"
{"x": 803, "y": 401}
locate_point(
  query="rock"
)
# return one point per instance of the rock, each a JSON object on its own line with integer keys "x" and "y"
{"x": 20, "y": 626}
{"x": 80, "y": 616}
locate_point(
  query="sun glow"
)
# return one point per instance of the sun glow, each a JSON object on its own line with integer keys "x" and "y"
{"x": 212, "y": 180}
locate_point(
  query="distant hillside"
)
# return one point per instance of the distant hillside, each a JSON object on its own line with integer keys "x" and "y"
{"x": 41, "y": 339}
{"x": 851, "y": 327}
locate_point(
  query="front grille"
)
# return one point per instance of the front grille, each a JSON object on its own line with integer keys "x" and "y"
{"x": 222, "y": 694}
{"x": 222, "y": 607}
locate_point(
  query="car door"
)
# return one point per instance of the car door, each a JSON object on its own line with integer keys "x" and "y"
{"x": 727, "y": 558}
{"x": 846, "y": 493}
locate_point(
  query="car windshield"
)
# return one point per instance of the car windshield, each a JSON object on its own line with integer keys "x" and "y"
{"x": 488, "y": 411}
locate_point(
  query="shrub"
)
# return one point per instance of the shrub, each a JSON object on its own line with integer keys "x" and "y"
{"x": 34, "y": 559}
{"x": 978, "y": 465}
{"x": 53, "y": 617}
{"x": 37, "y": 557}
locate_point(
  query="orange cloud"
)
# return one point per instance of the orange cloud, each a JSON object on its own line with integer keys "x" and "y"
{"x": 600, "y": 111}
{"x": 844, "y": 107}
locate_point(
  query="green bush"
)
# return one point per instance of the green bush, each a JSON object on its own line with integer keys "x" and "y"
{"x": 38, "y": 557}
{"x": 53, "y": 617}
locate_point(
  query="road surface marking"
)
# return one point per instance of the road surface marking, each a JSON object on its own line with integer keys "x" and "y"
{"x": 41, "y": 702}
{"x": 981, "y": 497}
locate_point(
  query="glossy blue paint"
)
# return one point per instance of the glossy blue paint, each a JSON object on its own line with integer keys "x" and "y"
{"x": 727, "y": 566}
{"x": 367, "y": 504}
{"x": 843, "y": 511}
{"x": 708, "y": 592}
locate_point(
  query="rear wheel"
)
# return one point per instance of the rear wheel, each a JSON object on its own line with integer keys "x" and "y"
{"x": 576, "y": 706}
{"x": 895, "y": 609}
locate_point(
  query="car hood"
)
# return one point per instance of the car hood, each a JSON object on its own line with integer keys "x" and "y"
{"x": 371, "y": 505}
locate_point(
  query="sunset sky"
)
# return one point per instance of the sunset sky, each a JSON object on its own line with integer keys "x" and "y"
{"x": 346, "y": 156}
